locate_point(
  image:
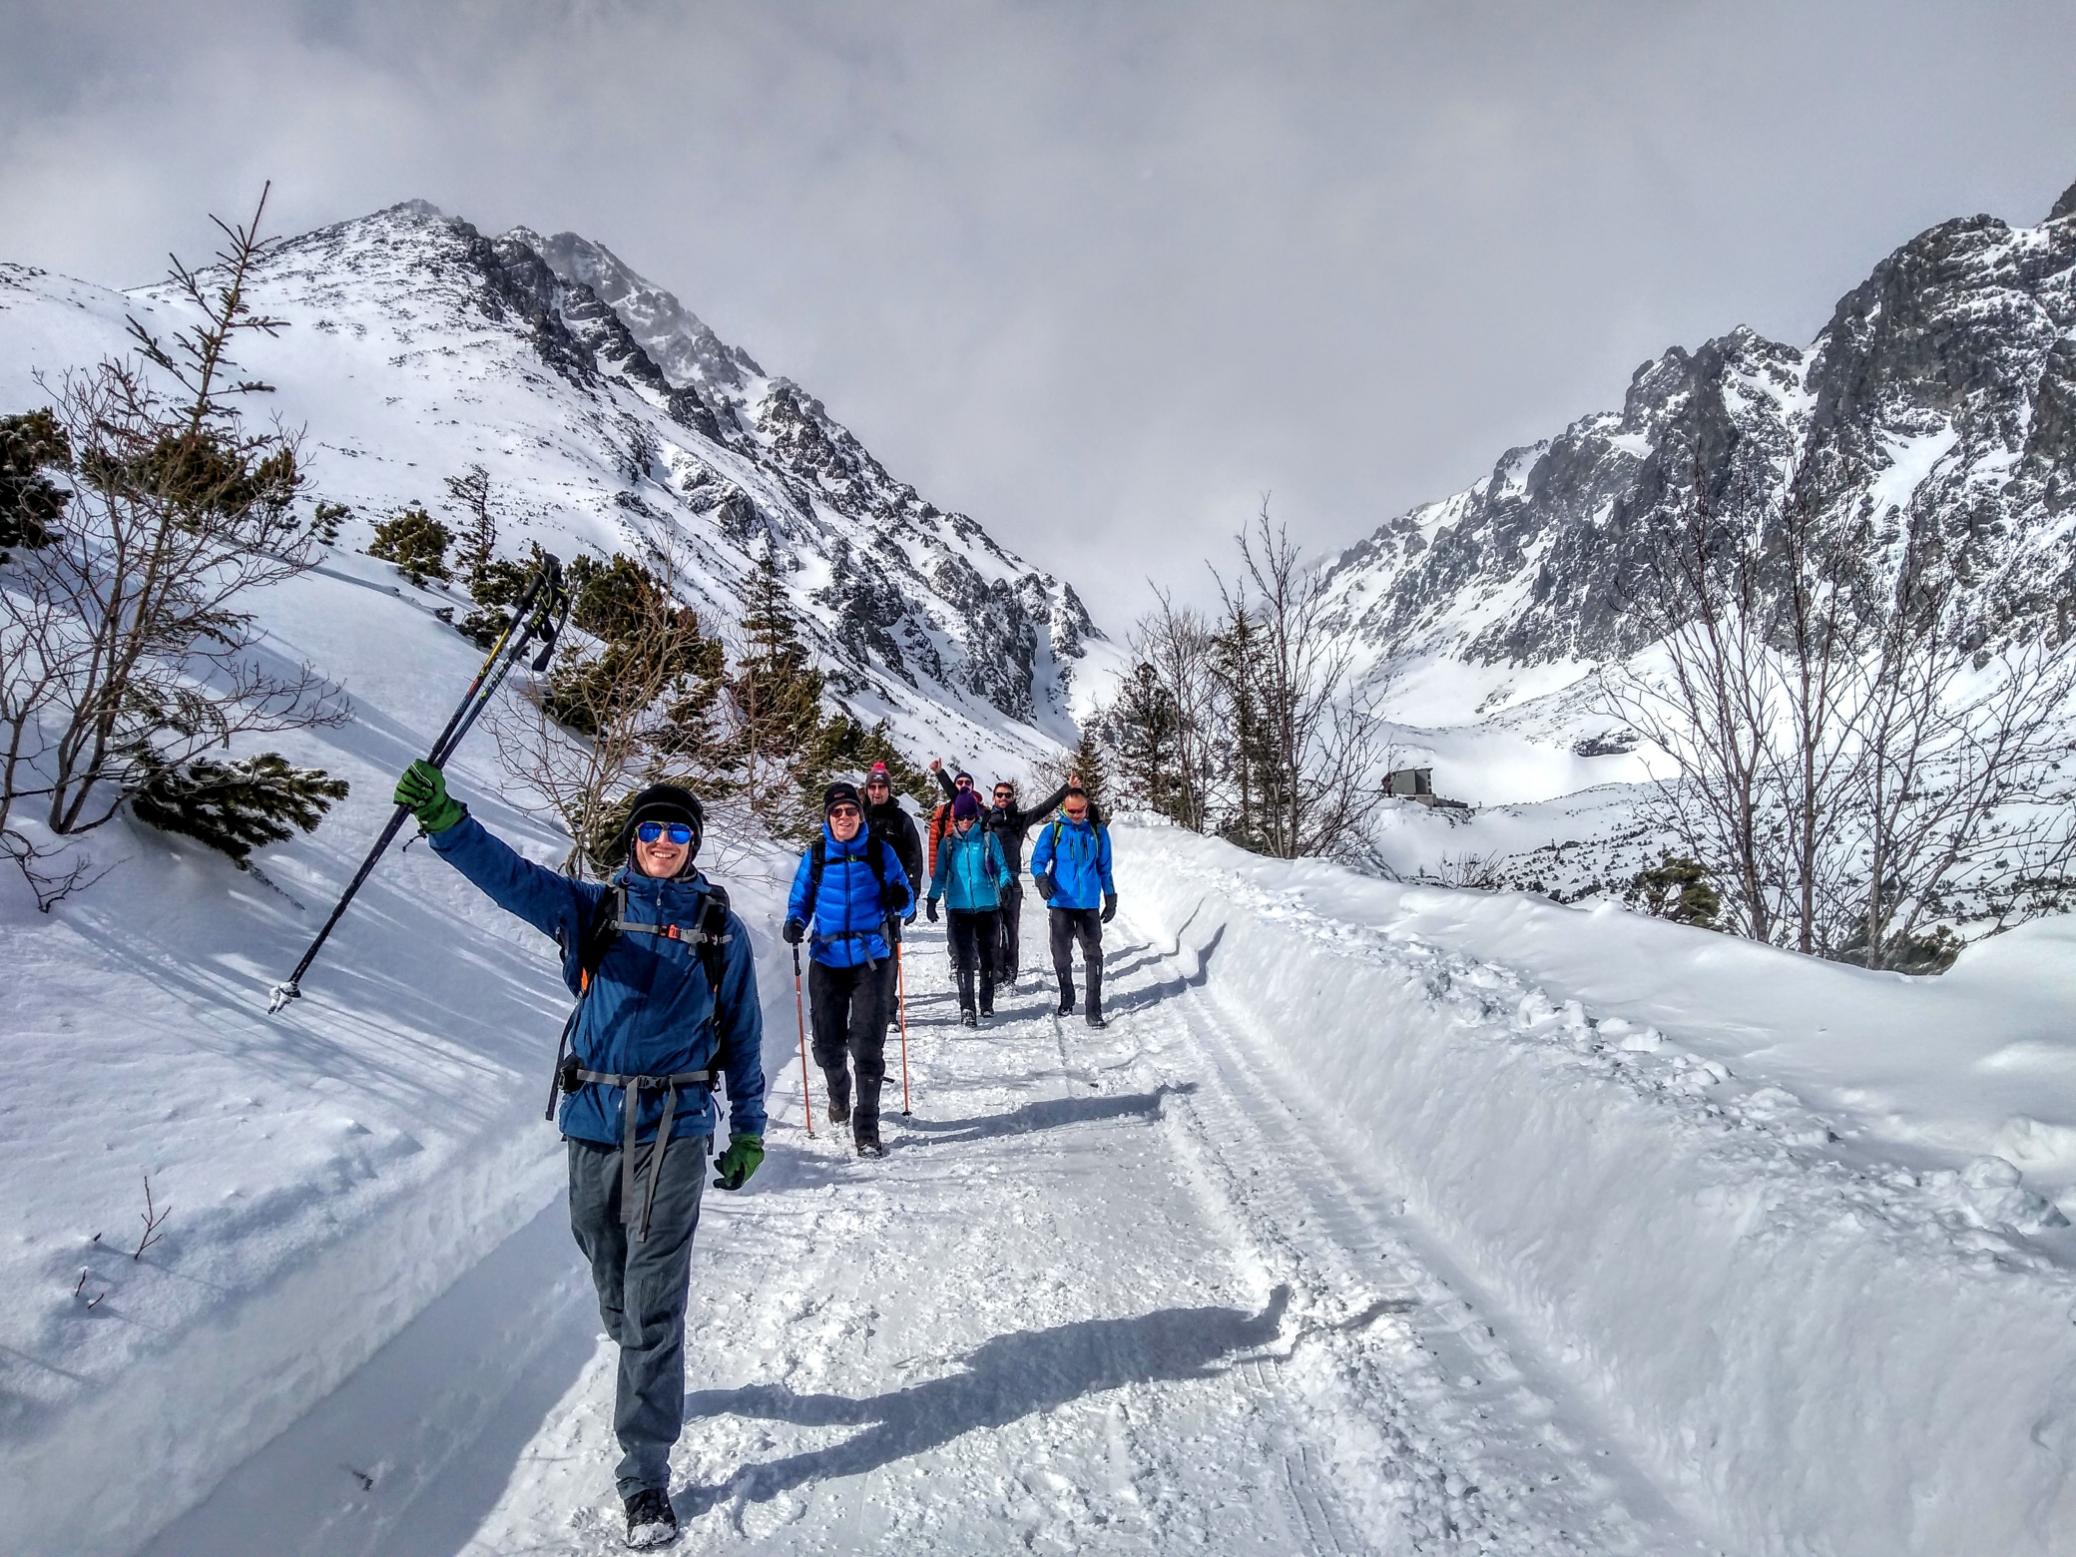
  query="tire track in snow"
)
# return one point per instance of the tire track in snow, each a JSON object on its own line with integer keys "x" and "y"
{"x": 1483, "y": 1460}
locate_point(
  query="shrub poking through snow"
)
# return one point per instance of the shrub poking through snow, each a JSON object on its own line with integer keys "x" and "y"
{"x": 1676, "y": 888}
{"x": 416, "y": 542}
{"x": 236, "y": 807}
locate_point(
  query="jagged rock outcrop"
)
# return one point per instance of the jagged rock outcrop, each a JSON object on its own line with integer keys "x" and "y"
{"x": 1937, "y": 406}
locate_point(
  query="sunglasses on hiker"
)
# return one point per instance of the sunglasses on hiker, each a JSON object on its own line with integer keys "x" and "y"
{"x": 963, "y": 783}
{"x": 1005, "y": 793}
{"x": 677, "y": 832}
{"x": 1073, "y": 815}
{"x": 876, "y": 783}
{"x": 837, "y": 813}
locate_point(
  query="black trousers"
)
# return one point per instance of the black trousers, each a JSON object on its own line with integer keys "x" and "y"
{"x": 1083, "y": 925}
{"x": 972, "y": 936}
{"x": 845, "y": 1006}
{"x": 1009, "y": 934}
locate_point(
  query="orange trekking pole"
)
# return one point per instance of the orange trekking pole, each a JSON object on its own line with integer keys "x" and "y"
{"x": 901, "y": 991}
{"x": 800, "y": 1012}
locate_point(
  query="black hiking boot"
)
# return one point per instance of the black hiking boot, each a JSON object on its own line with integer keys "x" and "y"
{"x": 651, "y": 1521}
{"x": 1066, "y": 999}
{"x": 1095, "y": 1019}
{"x": 865, "y": 1134}
{"x": 967, "y": 1018}
{"x": 838, "y": 1085}
{"x": 987, "y": 1013}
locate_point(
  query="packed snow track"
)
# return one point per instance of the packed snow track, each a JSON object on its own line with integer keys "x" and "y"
{"x": 1114, "y": 1291}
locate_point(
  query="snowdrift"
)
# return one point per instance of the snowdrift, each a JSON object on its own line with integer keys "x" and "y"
{"x": 1824, "y": 1331}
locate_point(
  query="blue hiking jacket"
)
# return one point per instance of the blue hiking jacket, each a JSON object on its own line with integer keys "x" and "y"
{"x": 1077, "y": 857}
{"x": 850, "y": 923}
{"x": 971, "y": 871}
{"x": 650, "y": 1011}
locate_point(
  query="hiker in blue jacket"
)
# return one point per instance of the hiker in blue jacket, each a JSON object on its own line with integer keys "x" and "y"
{"x": 666, "y": 1004}
{"x": 1071, "y": 870}
{"x": 849, "y": 884}
{"x": 972, "y": 876}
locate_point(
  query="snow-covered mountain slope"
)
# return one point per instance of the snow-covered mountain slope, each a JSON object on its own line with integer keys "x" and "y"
{"x": 416, "y": 347}
{"x": 1939, "y": 401}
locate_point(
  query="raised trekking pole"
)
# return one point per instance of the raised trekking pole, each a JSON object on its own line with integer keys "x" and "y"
{"x": 538, "y": 614}
{"x": 901, "y": 1005}
{"x": 800, "y": 1014}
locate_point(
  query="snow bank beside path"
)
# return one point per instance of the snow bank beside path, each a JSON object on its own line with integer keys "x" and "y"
{"x": 1818, "y": 1350}
{"x": 330, "y": 1171}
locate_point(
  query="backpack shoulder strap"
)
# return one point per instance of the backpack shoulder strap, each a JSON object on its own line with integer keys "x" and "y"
{"x": 598, "y": 935}
{"x": 817, "y": 862}
{"x": 713, "y": 935}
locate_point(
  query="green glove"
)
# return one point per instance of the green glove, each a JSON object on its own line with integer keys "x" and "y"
{"x": 740, "y": 1160}
{"x": 424, "y": 789}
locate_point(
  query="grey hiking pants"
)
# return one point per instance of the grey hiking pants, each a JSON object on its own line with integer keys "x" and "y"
{"x": 642, "y": 1288}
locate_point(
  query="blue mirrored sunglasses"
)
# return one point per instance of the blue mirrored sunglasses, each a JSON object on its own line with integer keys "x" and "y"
{"x": 677, "y": 832}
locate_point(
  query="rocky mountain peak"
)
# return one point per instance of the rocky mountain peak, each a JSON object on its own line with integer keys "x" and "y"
{"x": 2066, "y": 206}
{"x": 1939, "y": 402}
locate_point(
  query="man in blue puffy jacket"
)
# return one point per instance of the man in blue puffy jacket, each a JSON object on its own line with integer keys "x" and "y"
{"x": 850, "y": 882}
{"x": 1071, "y": 869}
{"x": 971, "y": 877}
{"x": 666, "y": 1005}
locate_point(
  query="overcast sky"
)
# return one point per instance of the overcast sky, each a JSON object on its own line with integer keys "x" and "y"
{"x": 1099, "y": 274}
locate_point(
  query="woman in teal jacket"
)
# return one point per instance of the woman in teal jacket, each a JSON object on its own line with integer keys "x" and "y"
{"x": 971, "y": 877}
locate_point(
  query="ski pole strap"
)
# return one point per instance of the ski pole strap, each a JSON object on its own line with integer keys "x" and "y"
{"x": 631, "y": 1110}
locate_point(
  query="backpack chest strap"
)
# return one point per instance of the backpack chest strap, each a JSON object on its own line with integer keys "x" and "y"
{"x": 672, "y": 932}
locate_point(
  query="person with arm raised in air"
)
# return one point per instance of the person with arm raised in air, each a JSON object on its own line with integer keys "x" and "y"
{"x": 666, "y": 1007}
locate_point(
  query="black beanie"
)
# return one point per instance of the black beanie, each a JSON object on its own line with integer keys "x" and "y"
{"x": 665, "y": 803}
{"x": 841, "y": 793}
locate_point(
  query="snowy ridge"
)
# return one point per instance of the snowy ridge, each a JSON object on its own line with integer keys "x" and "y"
{"x": 1814, "y": 1346}
{"x": 1940, "y": 401}
{"x": 416, "y": 347}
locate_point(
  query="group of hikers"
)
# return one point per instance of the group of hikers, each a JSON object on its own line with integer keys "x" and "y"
{"x": 667, "y": 1007}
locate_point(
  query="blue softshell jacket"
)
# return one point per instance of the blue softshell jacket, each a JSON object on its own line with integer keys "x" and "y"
{"x": 650, "y": 1011}
{"x": 971, "y": 871}
{"x": 850, "y": 921}
{"x": 1077, "y": 857}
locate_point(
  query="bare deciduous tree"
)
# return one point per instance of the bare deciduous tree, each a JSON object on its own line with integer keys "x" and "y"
{"x": 124, "y": 643}
{"x": 1843, "y": 763}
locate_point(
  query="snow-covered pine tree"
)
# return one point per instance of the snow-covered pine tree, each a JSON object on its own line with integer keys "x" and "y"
{"x": 31, "y": 504}
{"x": 237, "y": 806}
{"x": 470, "y": 495}
{"x": 776, "y": 693}
{"x": 1144, "y": 730}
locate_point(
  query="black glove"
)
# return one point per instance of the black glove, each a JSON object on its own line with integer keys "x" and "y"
{"x": 1045, "y": 888}
{"x": 892, "y": 899}
{"x": 1109, "y": 906}
{"x": 793, "y": 932}
{"x": 930, "y": 908}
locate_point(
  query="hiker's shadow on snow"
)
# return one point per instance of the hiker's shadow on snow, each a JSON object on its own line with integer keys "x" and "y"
{"x": 1141, "y": 953}
{"x": 1153, "y": 994}
{"x": 1004, "y": 1380}
{"x": 1048, "y": 1114}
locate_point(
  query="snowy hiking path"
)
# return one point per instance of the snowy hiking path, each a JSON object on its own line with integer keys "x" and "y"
{"x": 1111, "y": 1291}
